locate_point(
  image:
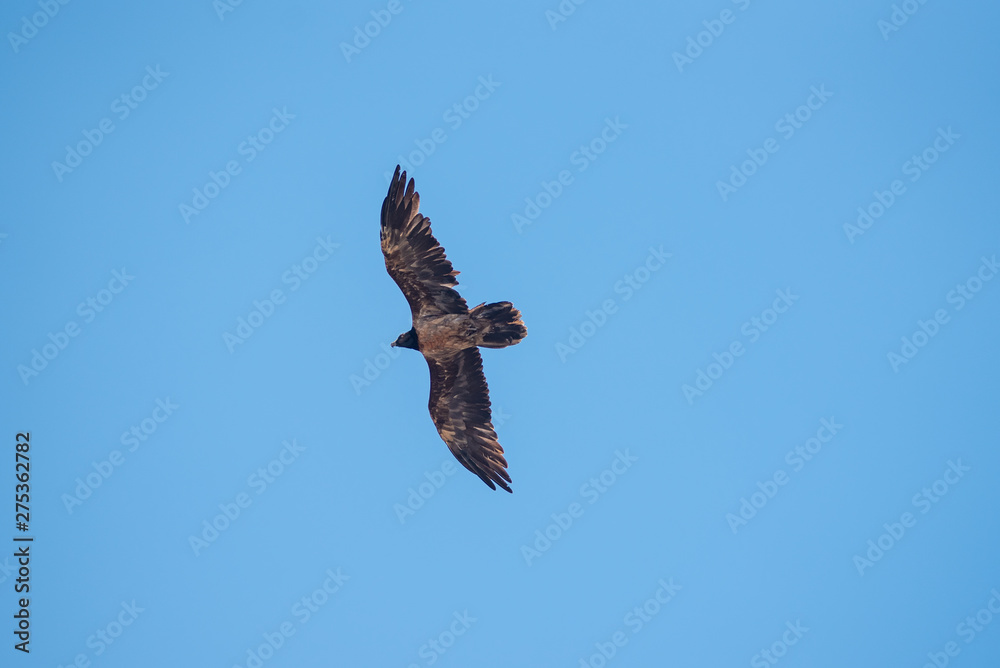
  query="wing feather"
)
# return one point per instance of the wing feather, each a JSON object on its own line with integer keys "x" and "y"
{"x": 413, "y": 257}
{"x": 460, "y": 407}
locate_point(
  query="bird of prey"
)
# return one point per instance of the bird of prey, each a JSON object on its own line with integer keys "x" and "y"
{"x": 447, "y": 333}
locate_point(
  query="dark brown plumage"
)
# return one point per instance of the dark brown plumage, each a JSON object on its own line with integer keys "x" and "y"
{"x": 447, "y": 333}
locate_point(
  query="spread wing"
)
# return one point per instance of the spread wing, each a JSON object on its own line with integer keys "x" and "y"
{"x": 413, "y": 257}
{"x": 460, "y": 408}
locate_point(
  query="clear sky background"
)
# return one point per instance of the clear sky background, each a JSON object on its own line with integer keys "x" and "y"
{"x": 745, "y": 428}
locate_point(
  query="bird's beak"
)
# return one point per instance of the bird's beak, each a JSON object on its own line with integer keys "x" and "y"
{"x": 392, "y": 345}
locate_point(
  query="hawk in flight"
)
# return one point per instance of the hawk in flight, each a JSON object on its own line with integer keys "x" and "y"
{"x": 447, "y": 333}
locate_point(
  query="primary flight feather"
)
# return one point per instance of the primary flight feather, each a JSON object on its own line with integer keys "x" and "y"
{"x": 447, "y": 333}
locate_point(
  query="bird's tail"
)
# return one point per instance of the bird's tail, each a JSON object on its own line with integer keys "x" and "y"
{"x": 499, "y": 324}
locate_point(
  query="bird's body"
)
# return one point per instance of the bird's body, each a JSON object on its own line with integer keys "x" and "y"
{"x": 447, "y": 333}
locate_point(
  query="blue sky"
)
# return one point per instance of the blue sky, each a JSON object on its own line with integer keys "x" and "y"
{"x": 754, "y": 419}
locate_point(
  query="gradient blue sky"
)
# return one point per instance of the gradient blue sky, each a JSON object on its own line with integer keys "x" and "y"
{"x": 661, "y": 220}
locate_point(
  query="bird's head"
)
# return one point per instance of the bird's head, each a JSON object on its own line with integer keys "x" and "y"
{"x": 406, "y": 340}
